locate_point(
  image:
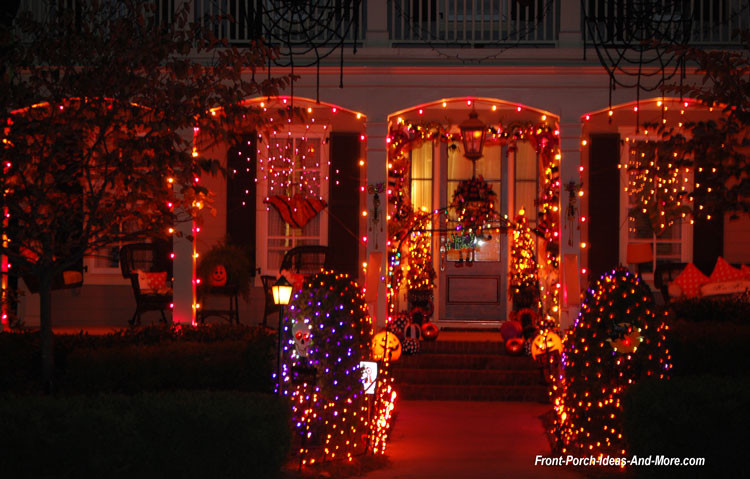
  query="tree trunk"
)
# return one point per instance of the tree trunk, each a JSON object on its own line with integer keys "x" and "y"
{"x": 47, "y": 337}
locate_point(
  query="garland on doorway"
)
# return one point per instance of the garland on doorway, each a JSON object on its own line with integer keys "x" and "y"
{"x": 410, "y": 232}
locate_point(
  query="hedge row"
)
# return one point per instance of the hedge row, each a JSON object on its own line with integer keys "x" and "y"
{"x": 146, "y": 359}
{"x": 169, "y": 434}
{"x": 698, "y": 416}
{"x": 735, "y": 309}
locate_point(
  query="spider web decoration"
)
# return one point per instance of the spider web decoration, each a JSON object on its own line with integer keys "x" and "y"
{"x": 307, "y": 31}
{"x": 637, "y": 40}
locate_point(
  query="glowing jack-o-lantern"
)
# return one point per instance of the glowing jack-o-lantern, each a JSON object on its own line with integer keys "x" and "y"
{"x": 629, "y": 342}
{"x": 218, "y": 276}
{"x": 545, "y": 343}
{"x": 385, "y": 345}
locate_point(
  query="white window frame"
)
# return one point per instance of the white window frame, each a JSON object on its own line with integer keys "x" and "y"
{"x": 686, "y": 229}
{"x": 263, "y": 209}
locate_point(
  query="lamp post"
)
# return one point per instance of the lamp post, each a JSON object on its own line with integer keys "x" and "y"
{"x": 282, "y": 293}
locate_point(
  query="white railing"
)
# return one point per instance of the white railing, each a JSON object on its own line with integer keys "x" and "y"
{"x": 42, "y": 9}
{"x": 272, "y": 17}
{"x": 699, "y": 22}
{"x": 472, "y": 22}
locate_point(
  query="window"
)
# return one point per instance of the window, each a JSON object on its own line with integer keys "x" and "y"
{"x": 641, "y": 219}
{"x": 460, "y": 169}
{"x": 421, "y": 177}
{"x": 526, "y": 169}
{"x": 293, "y": 167}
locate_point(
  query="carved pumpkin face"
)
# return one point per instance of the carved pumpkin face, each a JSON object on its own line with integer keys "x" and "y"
{"x": 218, "y": 276}
{"x": 545, "y": 343}
{"x": 386, "y": 345}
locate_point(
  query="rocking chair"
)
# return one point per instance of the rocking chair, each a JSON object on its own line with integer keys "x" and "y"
{"x": 143, "y": 263}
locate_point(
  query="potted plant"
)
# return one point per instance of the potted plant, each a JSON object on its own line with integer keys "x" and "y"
{"x": 225, "y": 265}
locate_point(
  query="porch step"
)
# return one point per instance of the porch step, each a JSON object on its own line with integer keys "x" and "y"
{"x": 537, "y": 393}
{"x": 468, "y": 371}
{"x": 425, "y": 360}
{"x": 468, "y": 377}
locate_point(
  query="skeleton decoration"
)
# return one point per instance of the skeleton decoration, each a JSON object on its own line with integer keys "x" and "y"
{"x": 302, "y": 338}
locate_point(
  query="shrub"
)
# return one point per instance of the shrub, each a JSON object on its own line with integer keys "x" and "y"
{"x": 700, "y": 416}
{"x": 718, "y": 348}
{"x": 732, "y": 309}
{"x": 175, "y": 434}
{"x": 145, "y": 359}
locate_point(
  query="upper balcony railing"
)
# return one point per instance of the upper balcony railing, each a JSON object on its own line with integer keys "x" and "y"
{"x": 696, "y": 22}
{"x": 474, "y": 23}
{"x": 452, "y": 23}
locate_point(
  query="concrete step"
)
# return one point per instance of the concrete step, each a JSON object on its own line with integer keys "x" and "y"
{"x": 473, "y": 393}
{"x": 445, "y": 377}
{"x": 459, "y": 347}
{"x": 465, "y": 361}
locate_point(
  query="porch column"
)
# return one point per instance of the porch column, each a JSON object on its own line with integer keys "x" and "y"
{"x": 183, "y": 269}
{"x": 571, "y": 26}
{"x": 377, "y": 25}
{"x": 377, "y": 173}
{"x": 570, "y": 240}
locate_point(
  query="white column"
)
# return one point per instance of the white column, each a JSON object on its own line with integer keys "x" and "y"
{"x": 183, "y": 269}
{"x": 377, "y": 25}
{"x": 570, "y": 35}
{"x": 570, "y": 240}
{"x": 377, "y": 173}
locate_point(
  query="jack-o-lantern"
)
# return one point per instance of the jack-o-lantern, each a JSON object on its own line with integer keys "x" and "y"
{"x": 545, "y": 343}
{"x": 514, "y": 346}
{"x": 218, "y": 276}
{"x": 385, "y": 345}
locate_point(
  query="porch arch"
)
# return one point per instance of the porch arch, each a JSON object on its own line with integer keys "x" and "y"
{"x": 508, "y": 125}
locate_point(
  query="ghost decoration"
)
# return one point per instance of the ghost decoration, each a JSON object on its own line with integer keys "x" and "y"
{"x": 302, "y": 338}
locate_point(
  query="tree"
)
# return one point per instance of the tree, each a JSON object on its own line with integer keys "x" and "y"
{"x": 718, "y": 150}
{"x": 99, "y": 105}
{"x": 523, "y": 279}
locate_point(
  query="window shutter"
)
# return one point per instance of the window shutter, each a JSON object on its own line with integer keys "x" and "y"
{"x": 241, "y": 188}
{"x": 343, "y": 201}
{"x": 604, "y": 203}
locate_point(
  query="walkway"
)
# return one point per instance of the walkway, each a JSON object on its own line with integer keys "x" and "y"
{"x": 468, "y": 440}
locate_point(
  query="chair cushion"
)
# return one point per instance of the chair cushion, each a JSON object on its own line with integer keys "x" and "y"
{"x": 690, "y": 281}
{"x": 746, "y": 271}
{"x": 724, "y": 271}
{"x": 152, "y": 283}
{"x": 674, "y": 290}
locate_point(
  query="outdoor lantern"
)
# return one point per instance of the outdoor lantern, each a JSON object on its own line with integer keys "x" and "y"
{"x": 282, "y": 291}
{"x": 472, "y": 136}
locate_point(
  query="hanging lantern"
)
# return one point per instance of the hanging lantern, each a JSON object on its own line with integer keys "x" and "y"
{"x": 472, "y": 136}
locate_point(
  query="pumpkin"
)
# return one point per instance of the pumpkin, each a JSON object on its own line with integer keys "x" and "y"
{"x": 629, "y": 342}
{"x": 218, "y": 276}
{"x": 544, "y": 343}
{"x": 514, "y": 346}
{"x": 385, "y": 345}
{"x": 430, "y": 331}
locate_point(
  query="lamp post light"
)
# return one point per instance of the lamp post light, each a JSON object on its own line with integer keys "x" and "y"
{"x": 282, "y": 293}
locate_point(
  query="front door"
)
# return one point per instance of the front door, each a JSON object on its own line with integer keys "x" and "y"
{"x": 473, "y": 285}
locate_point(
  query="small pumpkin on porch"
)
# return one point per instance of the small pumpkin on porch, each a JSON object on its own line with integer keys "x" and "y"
{"x": 545, "y": 343}
{"x": 218, "y": 276}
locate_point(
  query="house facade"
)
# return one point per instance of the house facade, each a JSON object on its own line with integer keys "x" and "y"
{"x": 527, "y": 71}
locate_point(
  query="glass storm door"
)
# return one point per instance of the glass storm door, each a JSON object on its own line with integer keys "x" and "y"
{"x": 472, "y": 286}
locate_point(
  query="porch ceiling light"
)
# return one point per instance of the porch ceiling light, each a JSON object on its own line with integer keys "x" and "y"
{"x": 472, "y": 136}
{"x": 282, "y": 291}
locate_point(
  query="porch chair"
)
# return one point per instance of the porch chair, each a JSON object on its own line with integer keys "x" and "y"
{"x": 664, "y": 274}
{"x": 146, "y": 265}
{"x": 306, "y": 260}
